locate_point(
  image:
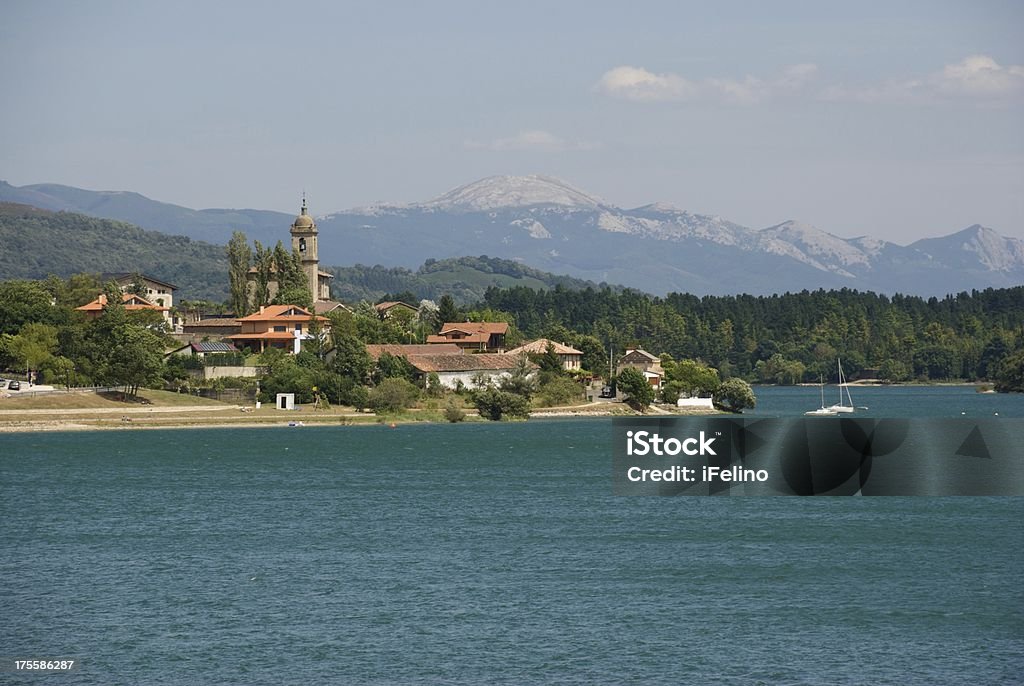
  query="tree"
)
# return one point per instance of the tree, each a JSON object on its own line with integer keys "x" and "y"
{"x": 292, "y": 285}
{"x": 548, "y": 361}
{"x": 595, "y": 357}
{"x": 264, "y": 262}
{"x": 34, "y": 345}
{"x": 239, "y": 263}
{"x": 893, "y": 371}
{"x": 1011, "y": 374}
{"x": 778, "y": 370}
{"x": 447, "y": 311}
{"x": 22, "y": 302}
{"x": 521, "y": 381}
{"x": 734, "y": 395}
{"x": 137, "y": 285}
{"x": 135, "y": 359}
{"x": 634, "y": 384}
{"x": 351, "y": 359}
{"x": 393, "y": 367}
{"x": 393, "y": 395}
{"x": 694, "y": 378}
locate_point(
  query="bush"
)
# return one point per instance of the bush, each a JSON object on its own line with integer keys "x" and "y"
{"x": 393, "y": 395}
{"x": 453, "y": 411}
{"x": 495, "y": 405}
{"x": 358, "y": 397}
{"x": 559, "y": 391}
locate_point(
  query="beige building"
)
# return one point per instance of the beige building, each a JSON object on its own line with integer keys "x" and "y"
{"x": 156, "y": 291}
{"x": 643, "y": 361}
{"x": 571, "y": 357}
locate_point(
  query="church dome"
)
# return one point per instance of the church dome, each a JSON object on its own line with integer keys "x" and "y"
{"x": 303, "y": 221}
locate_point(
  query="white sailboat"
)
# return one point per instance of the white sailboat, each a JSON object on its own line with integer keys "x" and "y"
{"x": 841, "y": 406}
{"x": 845, "y": 404}
{"x": 822, "y": 411}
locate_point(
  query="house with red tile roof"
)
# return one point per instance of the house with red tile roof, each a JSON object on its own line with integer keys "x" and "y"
{"x": 571, "y": 357}
{"x": 131, "y": 302}
{"x": 389, "y": 308}
{"x": 277, "y": 326}
{"x": 455, "y": 370}
{"x": 473, "y": 336}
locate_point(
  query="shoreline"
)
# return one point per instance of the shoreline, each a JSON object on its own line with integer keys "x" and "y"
{"x": 130, "y": 418}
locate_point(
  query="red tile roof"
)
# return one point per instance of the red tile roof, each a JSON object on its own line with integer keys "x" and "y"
{"x": 397, "y": 350}
{"x": 464, "y": 363}
{"x": 131, "y": 303}
{"x": 280, "y": 313}
{"x": 475, "y": 327}
{"x": 540, "y": 346}
{"x": 479, "y": 337}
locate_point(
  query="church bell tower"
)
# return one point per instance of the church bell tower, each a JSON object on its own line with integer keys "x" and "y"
{"x": 304, "y": 236}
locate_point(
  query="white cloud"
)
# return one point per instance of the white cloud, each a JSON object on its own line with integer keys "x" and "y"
{"x": 639, "y": 85}
{"x": 796, "y": 76}
{"x": 977, "y": 76}
{"x": 532, "y": 139}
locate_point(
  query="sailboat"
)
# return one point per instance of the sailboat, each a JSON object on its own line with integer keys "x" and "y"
{"x": 822, "y": 411}
{"x": 842, "y": 407}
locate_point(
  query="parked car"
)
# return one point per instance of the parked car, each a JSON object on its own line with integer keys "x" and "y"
{"x": 14, "y": 386}
{"x": 606, "y": 392}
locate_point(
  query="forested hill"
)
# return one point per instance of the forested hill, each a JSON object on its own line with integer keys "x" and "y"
{"x": 792, "y": 337}
{"x": 466, "y": 279}
{"x": 37, "y": 243}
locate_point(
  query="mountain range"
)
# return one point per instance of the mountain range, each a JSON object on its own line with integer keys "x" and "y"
{"x": 548, "y": 224}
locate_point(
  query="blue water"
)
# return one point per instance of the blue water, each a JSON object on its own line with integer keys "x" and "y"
{"x": 469, "y": 554}
{"x": 889, "y": 401}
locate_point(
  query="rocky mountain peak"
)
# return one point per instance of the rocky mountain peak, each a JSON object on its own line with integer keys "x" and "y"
{"x": 503, "y": 192}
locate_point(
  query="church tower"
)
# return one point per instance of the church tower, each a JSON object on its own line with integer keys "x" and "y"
{"x": 304, "y": 236}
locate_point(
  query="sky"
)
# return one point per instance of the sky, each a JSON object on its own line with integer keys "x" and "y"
{"x": 898, "y": 120}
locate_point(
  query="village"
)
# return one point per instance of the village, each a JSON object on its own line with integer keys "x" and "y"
{"x": 317, "y": 352}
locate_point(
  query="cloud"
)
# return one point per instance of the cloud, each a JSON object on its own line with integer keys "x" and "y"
{"x": 533, "y": 139}
{"x": 977, "y": 76}
{"x": 639, "y": 85}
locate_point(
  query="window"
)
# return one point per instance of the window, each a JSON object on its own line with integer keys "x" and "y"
{"x": 280, "y": 328}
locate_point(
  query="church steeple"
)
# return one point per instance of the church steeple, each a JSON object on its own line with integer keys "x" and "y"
{"x": 304, "y": 239}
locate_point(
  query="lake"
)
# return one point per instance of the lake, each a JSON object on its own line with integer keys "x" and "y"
{"x": 890, "y": 401}
{"x": 482, "y": 553}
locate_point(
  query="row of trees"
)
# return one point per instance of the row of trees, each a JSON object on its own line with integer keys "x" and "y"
{"x": 792, "y": 337}
{"x": 267, "y": 265}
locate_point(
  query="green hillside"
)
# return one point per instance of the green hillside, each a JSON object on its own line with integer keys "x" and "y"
{"x": 466, "y": 279}
{"x": 37, "y": 243}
